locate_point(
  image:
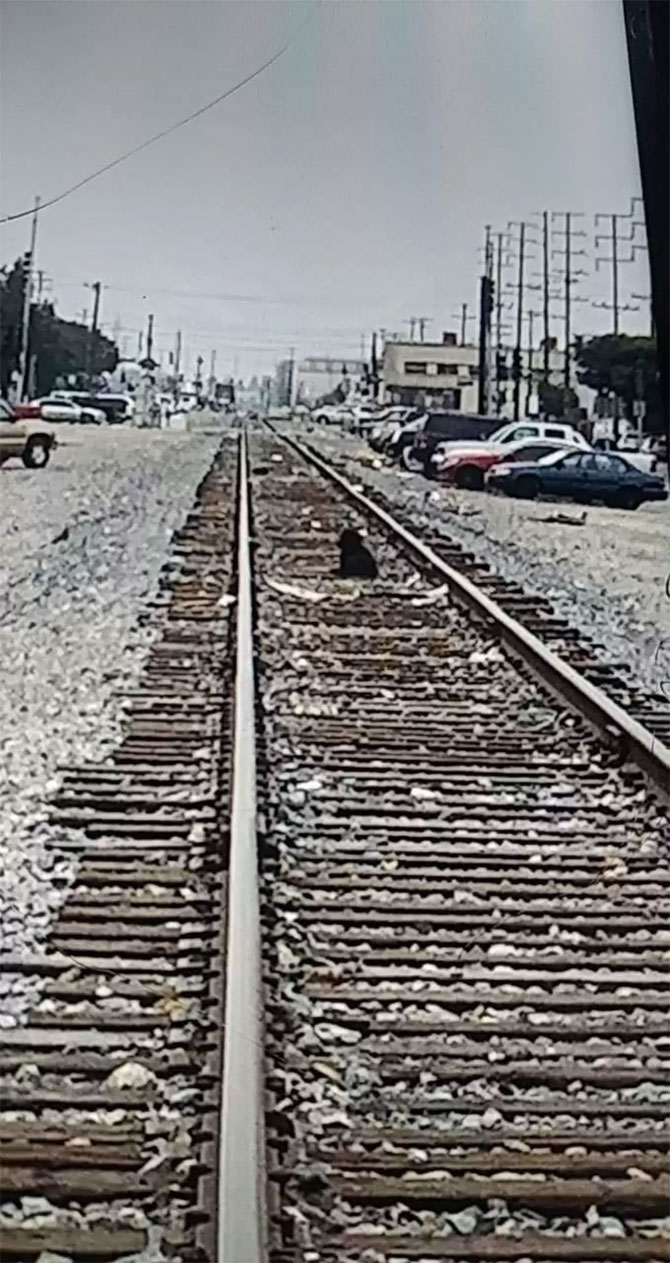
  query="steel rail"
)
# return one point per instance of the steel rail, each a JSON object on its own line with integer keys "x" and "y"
{"x": 241, "y": 1201}
{"x": 630, "y": 737}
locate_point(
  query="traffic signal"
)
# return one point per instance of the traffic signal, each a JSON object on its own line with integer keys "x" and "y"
{"x": 516, "y": 364}
{"x": 501, "y": 367}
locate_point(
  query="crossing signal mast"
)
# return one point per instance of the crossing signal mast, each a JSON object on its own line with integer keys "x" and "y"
{"x": 486, "y": 305}
{"x": 648, "y": 39}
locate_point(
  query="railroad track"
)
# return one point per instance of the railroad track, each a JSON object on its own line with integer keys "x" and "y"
{"x": 110, "y": 1093}
{"x": 445, "y": 1026}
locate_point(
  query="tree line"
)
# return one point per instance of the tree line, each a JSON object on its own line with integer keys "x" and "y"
{"x": 61, "y": 348}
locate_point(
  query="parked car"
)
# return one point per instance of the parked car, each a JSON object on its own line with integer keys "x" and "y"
{"x": 364, "y": 416}
{"x": 90, "y": 414}
{"x": 59, "y": 410}
{"x": 27, "y": 411}
{"x": 581, "y": 476}
{"x": 30, "y": 440}
{"x": 468, "y": 467}
{"x": 656, "y": 445}
{"x": 520, "y": 431}
{"x": 441, "y": 427}
{"x": 514, "y": 432}
{"x": 333, "y": 414}
{"x": 388, "y": 427}
{"x": 117, "y": 408}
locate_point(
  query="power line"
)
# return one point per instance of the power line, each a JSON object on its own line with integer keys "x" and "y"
{"x": 167, "y": 131}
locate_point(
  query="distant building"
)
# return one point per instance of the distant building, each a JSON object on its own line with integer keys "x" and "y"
{"x": 443, "y": 374}
{"x": 315, "y": 377}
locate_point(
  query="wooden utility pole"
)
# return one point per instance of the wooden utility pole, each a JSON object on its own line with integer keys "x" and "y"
{"x": 96, "y": 287}
{"x": 519, "y": 324}
{"x": 27, "y": 297}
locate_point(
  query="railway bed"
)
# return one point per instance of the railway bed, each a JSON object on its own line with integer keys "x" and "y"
{"x": 366, "y": 954}
{"x": 110, "y": 1093}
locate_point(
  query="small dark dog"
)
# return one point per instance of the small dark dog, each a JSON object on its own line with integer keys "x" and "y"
{"x": 356, "y": 562}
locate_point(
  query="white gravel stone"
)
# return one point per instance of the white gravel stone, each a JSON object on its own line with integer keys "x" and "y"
{"x": 69, "y": 638}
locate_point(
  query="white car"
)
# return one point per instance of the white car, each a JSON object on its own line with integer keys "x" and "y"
{"x": 90, "y": 415}
{"x": 52, "y": 409}
{"x": 333, "y": 414}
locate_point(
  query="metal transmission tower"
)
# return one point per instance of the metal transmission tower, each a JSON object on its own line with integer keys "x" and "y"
{"x": 615, "y": 259}
{"x": 522, "y": 256}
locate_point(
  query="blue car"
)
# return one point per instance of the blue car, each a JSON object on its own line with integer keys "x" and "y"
{"x": 580, "y": 476}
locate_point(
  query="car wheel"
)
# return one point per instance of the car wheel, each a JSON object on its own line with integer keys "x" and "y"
{"x": 526, "y": 487}
{"x": 627, "y": 498}
{"x": 470, "y": 477}
{"x": 36, "y": 453}
{"x": 411, "y": 462}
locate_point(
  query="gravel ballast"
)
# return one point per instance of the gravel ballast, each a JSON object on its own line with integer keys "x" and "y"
{"x": 607, "y": 577}
{"x": 82, "y": 545}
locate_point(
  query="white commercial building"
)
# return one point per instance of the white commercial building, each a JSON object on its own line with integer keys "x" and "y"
{"x": 447, "y": 375}
{"x": 316, "y": 376}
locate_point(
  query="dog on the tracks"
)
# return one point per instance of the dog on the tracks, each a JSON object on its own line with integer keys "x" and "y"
{"x": 356, "y": 561}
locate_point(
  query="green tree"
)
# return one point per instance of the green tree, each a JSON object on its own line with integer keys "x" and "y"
{"x": 63, "y": 348}
{"x": 557, "y": 401}
{"x": 12, "y": 284}
{"x": 625, "y": 365}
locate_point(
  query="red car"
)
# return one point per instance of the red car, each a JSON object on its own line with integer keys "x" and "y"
{"x": 27, "y": 410}
{"x": 468, "y": 467}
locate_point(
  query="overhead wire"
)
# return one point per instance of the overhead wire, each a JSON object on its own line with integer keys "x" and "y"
{"x": 166, "y": 131}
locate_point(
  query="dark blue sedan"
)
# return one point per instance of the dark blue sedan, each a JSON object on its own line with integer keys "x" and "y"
{"x": 580, "y": 476}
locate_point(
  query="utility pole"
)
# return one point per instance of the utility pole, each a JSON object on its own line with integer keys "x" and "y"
{"x": 545, "y": 296}
{"x": 150, "y": 337}
{"x": 177, "y": 361}
{"x": 212, "y": 376}
{"x": 566, "y": 370}
{"x": 289, "y": 389}
{"x": 96, "y": 306}
{"x": 464, "y": 321}
{"x": 519, "y": 321}
{"x": 27, "y": 296}
{"x": 423, "y": 321}
{"x": 412, "y": 323}
{"x": 140, "y": 343}
{"x": 374, "y": 369}
{"x": 569, "y": 277}
{"x": 615, "y": 277}
{"x": 531, "y": 348}
{"x": 96, "y": 287}
{"x": 500, "y": 237}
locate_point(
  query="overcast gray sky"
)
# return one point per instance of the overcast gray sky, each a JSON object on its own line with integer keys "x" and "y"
{"x": 345, "y": 189}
